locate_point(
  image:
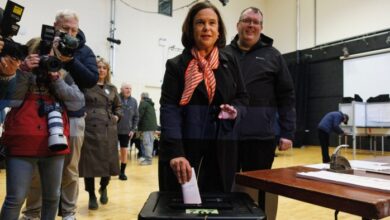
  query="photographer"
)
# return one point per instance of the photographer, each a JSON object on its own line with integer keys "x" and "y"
{"x": 10, "y": 52}
{"x": 36, "y": 134}
{"x": 83, "y": 69}
{"x": 8, "y": 66}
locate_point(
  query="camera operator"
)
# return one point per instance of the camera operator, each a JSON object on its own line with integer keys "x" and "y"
{"x": 11, "y": 52}
{"x": 8, "y": 67}
{"x": 83, "y": 69}
{"x": 38, "y": 114}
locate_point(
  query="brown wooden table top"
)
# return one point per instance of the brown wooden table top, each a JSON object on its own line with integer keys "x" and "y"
{"x": 283, "y": 181}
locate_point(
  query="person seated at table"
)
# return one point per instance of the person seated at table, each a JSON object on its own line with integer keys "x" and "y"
{"x": 330, "y": 122}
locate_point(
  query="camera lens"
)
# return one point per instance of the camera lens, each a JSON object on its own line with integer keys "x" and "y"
{"x": 50, "y": 63}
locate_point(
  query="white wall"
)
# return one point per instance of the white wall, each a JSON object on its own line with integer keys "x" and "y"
{"x": 339, "y": 19}
{"x": 322, "y": 21}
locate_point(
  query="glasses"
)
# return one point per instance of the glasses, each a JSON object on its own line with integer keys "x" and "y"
{"x": 248, "y": 21}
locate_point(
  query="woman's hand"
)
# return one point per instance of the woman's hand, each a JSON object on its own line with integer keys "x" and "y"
{"x": 8, "y": 66}
{"x": 55, "y": 75}
{"x": 227, "y": 112}
{"x": 182, "y": 169}
{"x": 116, "y": 118}
{"x": 30, "y": 62}
{"x": 1, "y": 43}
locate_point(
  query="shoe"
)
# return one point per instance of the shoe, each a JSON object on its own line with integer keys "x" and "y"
{"x": 103, "y": 196}
{"x": 69, "y": 217}
{"x": 24, "y": 217}
{"x": 92, "y": 204}
{"x": 122, "y": 176}
{"x": 145, "y": 163}
{"x": 141, "y": 159}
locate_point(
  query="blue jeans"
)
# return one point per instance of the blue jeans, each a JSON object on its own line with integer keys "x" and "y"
{"x": 19, "y": 175}
{"x": 147, "y": 144}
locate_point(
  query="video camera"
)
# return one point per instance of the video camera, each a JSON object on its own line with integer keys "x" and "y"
{"x": 67, "y": 45}
{"x": 9, "y": 18}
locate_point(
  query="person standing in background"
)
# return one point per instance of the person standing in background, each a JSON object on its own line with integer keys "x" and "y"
{"x": 99, "y": 154}
{"x": 127, "y": 126}
{"x": 270, "y": 89}
{"x": 330, "y": 122}
{"x": 147, "y": 125}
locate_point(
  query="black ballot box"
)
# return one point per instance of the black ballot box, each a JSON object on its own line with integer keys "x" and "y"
{"x": 168, "y": 205}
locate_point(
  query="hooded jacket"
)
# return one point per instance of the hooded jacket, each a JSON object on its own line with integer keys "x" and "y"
{"x": 147, "y": 115}
{"x": 270, "y": 89}
{"x": 83, "y": 69}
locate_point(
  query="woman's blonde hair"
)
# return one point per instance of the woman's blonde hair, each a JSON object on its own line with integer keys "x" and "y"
{"x": 108, "y": 76}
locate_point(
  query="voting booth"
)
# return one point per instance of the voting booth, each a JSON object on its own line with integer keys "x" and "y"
{"x": 366, "y": 119}
{"x": 168, "y": 205}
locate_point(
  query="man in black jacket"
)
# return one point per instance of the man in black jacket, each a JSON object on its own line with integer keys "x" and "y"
{"x": 271, "y": 92}
{"x": 83, "y": 69}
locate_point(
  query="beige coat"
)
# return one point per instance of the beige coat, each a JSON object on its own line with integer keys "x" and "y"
{"x": 99, "y": 154}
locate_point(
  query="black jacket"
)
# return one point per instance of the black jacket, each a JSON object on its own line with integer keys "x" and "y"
{"x": 83, "y": 69}
{"x": 270, "y": 89}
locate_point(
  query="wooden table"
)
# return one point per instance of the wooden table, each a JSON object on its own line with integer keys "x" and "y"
{"x": 369, "y": 204}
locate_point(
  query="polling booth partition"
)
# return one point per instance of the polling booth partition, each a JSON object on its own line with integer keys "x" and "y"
{"x": 367, "y": 119}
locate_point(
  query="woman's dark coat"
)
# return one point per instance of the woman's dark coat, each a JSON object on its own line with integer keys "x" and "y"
{"x": 186, "y": 128}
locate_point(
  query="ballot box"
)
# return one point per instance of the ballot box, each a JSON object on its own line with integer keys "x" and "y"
{"x": 167, "y": 205}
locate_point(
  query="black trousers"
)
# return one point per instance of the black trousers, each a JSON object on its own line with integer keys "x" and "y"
{"x": 256, "y": 155}
{"x": 90, "y": 183}
{"x": 324, "y": 142}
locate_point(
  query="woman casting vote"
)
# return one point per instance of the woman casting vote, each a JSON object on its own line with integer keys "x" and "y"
{"x": 201, "y": 99}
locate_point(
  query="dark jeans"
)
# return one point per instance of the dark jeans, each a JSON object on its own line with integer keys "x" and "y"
{"x": 324, "y": 142}
{"x": 256, "y": 155}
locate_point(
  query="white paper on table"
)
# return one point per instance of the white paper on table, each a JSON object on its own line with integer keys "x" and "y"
{"x": 320, "y": 166}
{"x": 348, "y": 179}
{"x": 368, "y": 165}
{"x": 190, "y": 190}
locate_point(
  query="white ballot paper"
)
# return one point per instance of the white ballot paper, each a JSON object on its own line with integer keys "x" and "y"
{"x": 190, "y": 191}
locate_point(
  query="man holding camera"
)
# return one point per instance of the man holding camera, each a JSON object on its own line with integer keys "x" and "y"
{"x": 82, "y": 67}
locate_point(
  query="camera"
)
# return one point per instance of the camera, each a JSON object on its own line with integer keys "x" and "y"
{"x": 57, "y": 140}
{"x": 9, "y": 27}
{"x": 67, "y": 44}
{"x": 47, "y": 63}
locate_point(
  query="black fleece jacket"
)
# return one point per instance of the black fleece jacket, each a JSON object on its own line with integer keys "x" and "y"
{"x": 270, "y": 89}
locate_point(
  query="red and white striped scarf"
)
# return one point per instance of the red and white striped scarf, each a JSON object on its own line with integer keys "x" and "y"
{"x": 200, "y": 69}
